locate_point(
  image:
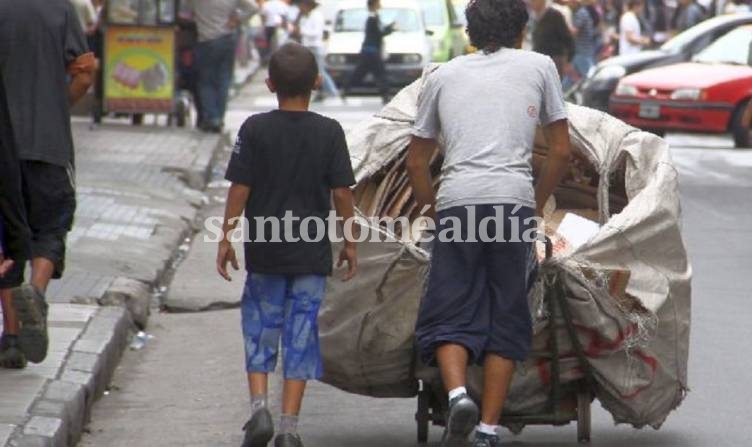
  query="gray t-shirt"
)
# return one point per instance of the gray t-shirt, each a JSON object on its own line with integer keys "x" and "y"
{"x": 484, "y": 109}
{"x": 38, "y": 40}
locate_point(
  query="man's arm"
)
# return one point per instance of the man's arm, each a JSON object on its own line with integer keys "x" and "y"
{"x": 556, "y": 164}
{"x": 343, "y": 204}
{"x": 418, "y": 164}
{"x": 237, "y": 197}
{"x": 78, "y": 87}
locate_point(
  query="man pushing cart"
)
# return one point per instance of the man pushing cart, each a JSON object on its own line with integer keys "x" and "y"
{"x": 610, "y": 309}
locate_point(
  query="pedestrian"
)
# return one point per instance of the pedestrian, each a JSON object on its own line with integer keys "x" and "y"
{"x": 688, "y": 14}
{"x": 218, "y": 22}
{"x": 87, "y": 15}
{"x": 311, "y": 29}
{"x": 485, "y": 109}
{"x": 585, "y": 30}
{"x": 371, "y": 59}
{"x": 41, "y": 78}
{"x": 551, "y": 35}
{"x": 631, "y": 40}
{"x": 276, "y": 15}
{"x": 287, "y": 163}
{"x": 14, "y": 232}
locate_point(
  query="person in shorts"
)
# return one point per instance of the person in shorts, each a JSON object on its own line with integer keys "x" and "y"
{"x": 485, "y": 108}
{"x": 45, "y": 66}
{"x": 286, "y": 167}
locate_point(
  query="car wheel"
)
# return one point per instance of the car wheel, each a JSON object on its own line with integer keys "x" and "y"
{"x": 740, "y": 125}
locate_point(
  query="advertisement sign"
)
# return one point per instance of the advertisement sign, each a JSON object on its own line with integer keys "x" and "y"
{"x": 139, "y": 69}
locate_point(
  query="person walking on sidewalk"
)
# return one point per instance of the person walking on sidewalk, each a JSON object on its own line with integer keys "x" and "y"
{"x": 485, "y": 109}
{"x": 311, "y": 29}
{"x": 550, "y": 34}
{"x": 371, "y": 58}
{"x": 45, "y": 67}
{"x": 14, "y": 232}
{"x": 286, "y": 166}
{"x": 218, "y": 22}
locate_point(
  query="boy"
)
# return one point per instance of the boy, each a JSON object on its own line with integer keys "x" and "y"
{"x": 286, "y": 166}
{"x": 485, "y": 108}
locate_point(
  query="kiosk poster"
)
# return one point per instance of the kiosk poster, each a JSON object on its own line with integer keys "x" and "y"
{"x": 139, "y": 69}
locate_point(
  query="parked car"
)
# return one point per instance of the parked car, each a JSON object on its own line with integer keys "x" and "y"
{"x": 603, "y": 79}
{"x": 448, "y": 36}
{"x": 406, "y": 51}
{"x": 708, "y": 94}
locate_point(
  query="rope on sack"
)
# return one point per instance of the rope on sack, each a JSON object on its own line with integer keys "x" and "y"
{"x": 646, "y": 323}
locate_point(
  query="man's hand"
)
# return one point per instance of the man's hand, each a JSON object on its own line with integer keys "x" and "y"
{"x": 225, "y": 254}
{"x": 5, "y": 265}
{"x": 233, "y": 22}
{"x": 348, "y": 254}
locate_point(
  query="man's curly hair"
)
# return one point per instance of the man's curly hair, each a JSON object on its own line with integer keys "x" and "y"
{"x": 493, "y": 24}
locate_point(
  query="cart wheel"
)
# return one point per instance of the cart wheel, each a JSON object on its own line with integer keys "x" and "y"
{"x": 137, "y": 119}
{"x": 515, "y": 428}
{"x": 423, "y": 416}
{"x": 584, "y": 398}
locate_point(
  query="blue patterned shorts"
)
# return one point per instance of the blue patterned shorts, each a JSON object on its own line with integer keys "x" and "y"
{"x": 285, "y": 306}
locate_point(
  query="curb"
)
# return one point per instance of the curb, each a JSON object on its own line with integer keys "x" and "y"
{"x": 59, "y": 414}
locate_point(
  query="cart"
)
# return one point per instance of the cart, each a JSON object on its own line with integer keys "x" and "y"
{"x": 140, "y": 71}
{"x": 566, "y": 403}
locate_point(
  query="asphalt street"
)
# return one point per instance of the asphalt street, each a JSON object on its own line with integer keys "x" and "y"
{"x": 187, "y": 388}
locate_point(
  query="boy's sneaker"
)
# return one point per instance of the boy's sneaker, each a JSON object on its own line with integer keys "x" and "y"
{"x": 11, "y": 356}
{"x": 288, "y": 440}
{"x": 31, "y": 309}
{"x": 485, "y": 440}
{"x": 259, "y": 429}
{"x": 462, "y": 419}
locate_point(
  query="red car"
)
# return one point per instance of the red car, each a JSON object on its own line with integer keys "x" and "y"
{"x": 709, "y": 94}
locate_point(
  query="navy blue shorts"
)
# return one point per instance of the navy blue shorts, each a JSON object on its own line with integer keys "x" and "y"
{"x": 477, "y": 291}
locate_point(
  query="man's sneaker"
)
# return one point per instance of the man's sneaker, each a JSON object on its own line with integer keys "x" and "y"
{"x": 288, "y": 440}
{"x": 463, "y": 416}
{"x": 31, "y": 309}
{"x": 259, "y": 429}
{"x": 484, "y": 440}
{"x": 11, "y": 356}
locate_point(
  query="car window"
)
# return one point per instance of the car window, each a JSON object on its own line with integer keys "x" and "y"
{"x": 434, "y": 12}
{"x": 732, "y": 48}
{"x": 354, "y": 20}
{"x": 695, "y": 38}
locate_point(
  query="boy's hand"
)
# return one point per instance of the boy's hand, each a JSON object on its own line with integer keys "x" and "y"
{"x": 348, "y": 254}
{"x": 225, "y": 254}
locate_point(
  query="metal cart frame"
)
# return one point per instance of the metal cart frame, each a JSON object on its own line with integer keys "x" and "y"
{"x": 433, "y": 405}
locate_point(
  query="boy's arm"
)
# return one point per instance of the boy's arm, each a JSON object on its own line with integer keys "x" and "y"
{"x": 556, "y": 164}
{"x": 343, "y": 204}
{"x": 418, "y": 161}
{"x": 237, "y": 197}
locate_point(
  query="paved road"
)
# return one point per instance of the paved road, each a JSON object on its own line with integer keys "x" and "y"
{"x": 186, "y": 387}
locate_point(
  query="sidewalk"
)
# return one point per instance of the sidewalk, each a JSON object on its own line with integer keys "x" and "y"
{"x": 139, "y": 190}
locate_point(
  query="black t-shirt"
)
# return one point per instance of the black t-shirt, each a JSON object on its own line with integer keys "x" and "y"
{"x": 291, "y": 161}
{"x": 38, "y": 40}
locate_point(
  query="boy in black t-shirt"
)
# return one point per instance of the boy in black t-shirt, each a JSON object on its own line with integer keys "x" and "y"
{"x": 286, "y": 166}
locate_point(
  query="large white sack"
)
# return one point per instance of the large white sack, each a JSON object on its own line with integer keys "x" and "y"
{"x": 638, "y": 349}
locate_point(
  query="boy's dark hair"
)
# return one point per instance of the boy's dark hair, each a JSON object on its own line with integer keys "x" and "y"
{"x": 293, "y": 70}
{"x": 492, "y": 24}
